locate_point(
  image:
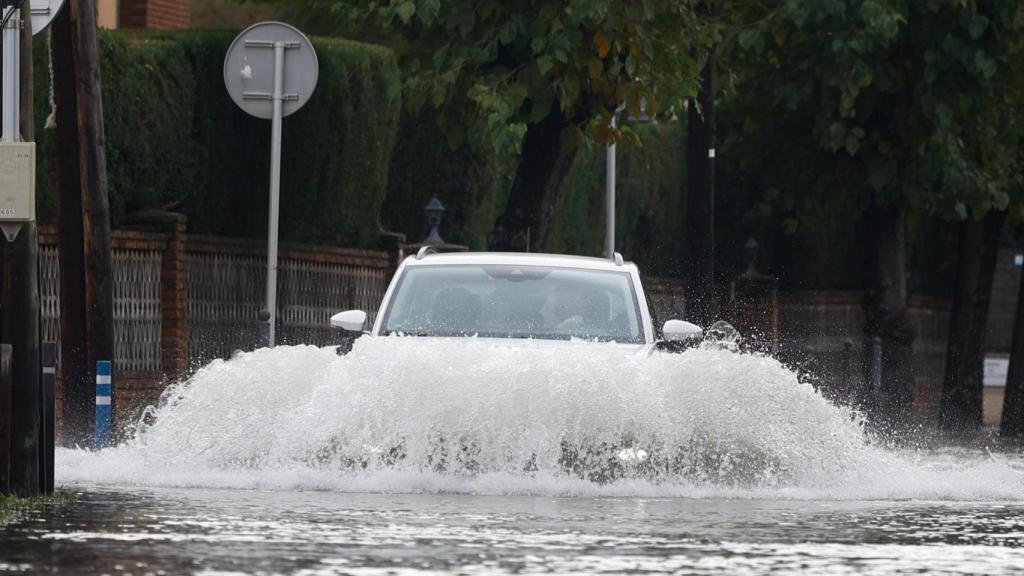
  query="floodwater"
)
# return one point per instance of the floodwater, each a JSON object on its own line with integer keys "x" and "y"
{"x": 203, "y": 531}
{"x": 412, "y": 457}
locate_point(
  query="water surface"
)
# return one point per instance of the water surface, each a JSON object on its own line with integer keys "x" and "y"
{"x": 408, "y": 457}
{"x": 203, "y": 531}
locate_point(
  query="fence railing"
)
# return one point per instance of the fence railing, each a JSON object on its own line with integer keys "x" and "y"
{"x": 182, "y": 300}
{"x": 136, "y": 302}
{"x": 226, "y": 280}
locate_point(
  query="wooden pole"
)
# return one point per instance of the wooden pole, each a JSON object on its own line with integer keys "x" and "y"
{"x": 99, "y": 277}
{"x": 76, "y": 383}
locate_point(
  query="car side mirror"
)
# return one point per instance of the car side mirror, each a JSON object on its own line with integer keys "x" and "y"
{"x": 680, "y": 331}
{"x": 349, "y": 320}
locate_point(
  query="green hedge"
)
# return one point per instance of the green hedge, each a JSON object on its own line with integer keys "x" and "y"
{"x": 351, "y": 161}
{"x": 472, "y": 185}
{"x": 175, "y": 140}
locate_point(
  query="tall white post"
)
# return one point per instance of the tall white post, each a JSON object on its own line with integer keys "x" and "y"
{"x": 275, "y": 189}
{"x": 609, "y": 187}
{"x": 11, "y": 92}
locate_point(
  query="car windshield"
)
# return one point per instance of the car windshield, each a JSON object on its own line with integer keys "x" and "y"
{"x": 508, "y": 301}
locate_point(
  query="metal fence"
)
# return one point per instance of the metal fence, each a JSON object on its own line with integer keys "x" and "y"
{"x": 136, "y": 305}
{"x": 226, "y": 293}
{"x": 137, "y": 310}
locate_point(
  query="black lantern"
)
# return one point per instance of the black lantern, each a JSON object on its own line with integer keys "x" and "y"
{"x": 434, "y": 211}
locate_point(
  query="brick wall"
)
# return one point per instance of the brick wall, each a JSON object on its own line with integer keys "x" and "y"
{"x": 159, "y": 14}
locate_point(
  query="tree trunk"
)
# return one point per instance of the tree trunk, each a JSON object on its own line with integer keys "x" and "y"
{"x": 977, "y": 248}
{"x": 526, "y": 223}
{"x": 1012, "y": 425}
{"x": 77, "y": 389}
{"x": 99, "y": 277}
{"x": 888, "y": 405}
{"x": 701, "y": 300}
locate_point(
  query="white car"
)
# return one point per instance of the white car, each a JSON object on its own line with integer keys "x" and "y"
{"x": 515, "y": 296}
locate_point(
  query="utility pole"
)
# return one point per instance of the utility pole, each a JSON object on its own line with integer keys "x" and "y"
{"x": 78, "y": 387}
{"x": 20, "y": 325}
{"x": 99, "y": 270}
{"x": 83, "y": 214}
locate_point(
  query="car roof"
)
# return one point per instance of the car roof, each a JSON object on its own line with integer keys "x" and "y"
{"x": 519, "y": 258}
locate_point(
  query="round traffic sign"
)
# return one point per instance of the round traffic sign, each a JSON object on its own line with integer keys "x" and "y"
{"x": 43, "y": 12}
{"x": 249, "y": 69}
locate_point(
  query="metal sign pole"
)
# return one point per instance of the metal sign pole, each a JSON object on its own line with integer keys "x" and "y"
{"x": 11, "y": 90}
{"x": 609, "y": 190}
{"x": 270, "y": 71}
{"x": 275, "y": 191}
{"x": 609, "y": 183}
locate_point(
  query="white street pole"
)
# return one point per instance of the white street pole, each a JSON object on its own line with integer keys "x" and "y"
{"x": 609, "y": 187}
{"x": 275, "y": 190}
{"x": 257, "y": 80}
{"x": 11, "y": 91}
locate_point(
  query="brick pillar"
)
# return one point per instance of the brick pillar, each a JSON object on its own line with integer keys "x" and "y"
{"x": 174, "y": 302}
{"x": 754, "y": 306}
{"x": 173, "y": 288}
{"x": 158, "y": 14}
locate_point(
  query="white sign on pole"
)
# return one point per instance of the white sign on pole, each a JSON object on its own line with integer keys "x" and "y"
{"x": 17, "y": 159}
{"x": 270, "y": 71}
{"x": 43, "y": 12}
{"x": 995, "y": 371}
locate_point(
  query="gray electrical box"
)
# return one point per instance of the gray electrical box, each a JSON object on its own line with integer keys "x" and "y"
{"x": 17, "y": 181}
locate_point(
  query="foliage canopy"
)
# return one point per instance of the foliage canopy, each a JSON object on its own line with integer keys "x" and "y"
{"x": 883, "y": 101}
{"x": 491, "y": 68}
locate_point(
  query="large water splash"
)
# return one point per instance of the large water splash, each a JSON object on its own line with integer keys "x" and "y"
{"x": 404, "y": 414}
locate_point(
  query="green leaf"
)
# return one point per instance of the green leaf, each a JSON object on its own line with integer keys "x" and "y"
{"x": 428, "y": 10}
{"x": 748, "y": 38}
{"x": 977, "y": 26}
{"x": 544, "y": 64}
{"x": 790, "y": 225}
{"x": 852, "y": 144}
{"x": 405, "y": 10}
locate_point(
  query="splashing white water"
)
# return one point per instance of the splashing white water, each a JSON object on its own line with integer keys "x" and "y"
{"x": 404, "y": 414}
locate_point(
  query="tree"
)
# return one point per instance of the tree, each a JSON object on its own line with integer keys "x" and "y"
{"x": 977, "y": 247}
{"x": 890, "y": 111}
{"x": 541, "y": 78}
{"x": 1012, "y": 425}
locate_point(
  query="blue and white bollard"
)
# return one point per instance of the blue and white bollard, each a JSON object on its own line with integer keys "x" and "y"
{"x": 103, "y": 387}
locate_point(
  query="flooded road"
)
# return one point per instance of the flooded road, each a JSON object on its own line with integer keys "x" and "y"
{"x": 202, "y": 531}
{"x": 408, "y": 457}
